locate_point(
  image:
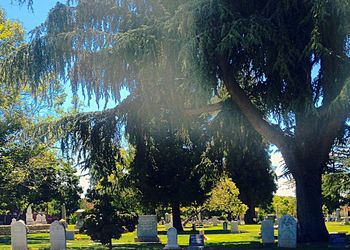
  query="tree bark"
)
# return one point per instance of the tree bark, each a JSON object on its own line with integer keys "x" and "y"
{"x": 175, "y": 207}
{"x": 250, "y": 214}
{"x": 309, "y": 208}
{"x": 110, "y": 245}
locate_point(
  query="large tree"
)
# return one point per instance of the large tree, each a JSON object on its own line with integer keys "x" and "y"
{"x": 284, "y": 63}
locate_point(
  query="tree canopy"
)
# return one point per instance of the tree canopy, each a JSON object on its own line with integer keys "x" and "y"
{"x": 284, "y": 64}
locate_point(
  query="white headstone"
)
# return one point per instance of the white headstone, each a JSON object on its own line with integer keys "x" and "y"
{"x": 18, "y": 235}
{"x": 38, "y": 219}
{"x": 234, "y": 227}
{"x": 172, "y": 239}
{"x": 29, "y": 216}
{"x": 267, "y": 232}
{"x": 287, "y": 232}
{"x": 57, "y": 236}
{"x": 215, "y": 221}
{"x": 147, "y": 229}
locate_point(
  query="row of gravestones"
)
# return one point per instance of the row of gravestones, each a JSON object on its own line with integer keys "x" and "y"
{"x": 19, "y": 235}
{"x": 287, "y": 232}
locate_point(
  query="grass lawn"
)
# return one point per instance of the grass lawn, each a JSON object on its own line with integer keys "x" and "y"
{"x": 217, "y": 240}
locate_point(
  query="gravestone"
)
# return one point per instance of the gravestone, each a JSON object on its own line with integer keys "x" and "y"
{"x": 70, "y": 235}
{"x": 18, "y": 235}
{"x": 168, "y": 221}
{"x": 337, "y": 240}
{"x": 147, "y": 229}
{"x": 346, "y": 215}
{"x": 234, "y": 227}
{"x": 224, "y": 226}
{"x": 287, "y": 232}
{"x": 196, "y": 242}
{"x": 215, "y": 221}
{"x": 267, "y": 232}
{"x": 57, "y": 236}
{"x": 337, "y": 215}
{"x": 29, "y": 216}
{"x": 172, "y": 239}
{"x": 40, "y": 219}
{"x": 80, "y": 222}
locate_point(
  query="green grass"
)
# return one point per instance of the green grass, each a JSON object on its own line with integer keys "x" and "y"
{"x": 216, "y": 239}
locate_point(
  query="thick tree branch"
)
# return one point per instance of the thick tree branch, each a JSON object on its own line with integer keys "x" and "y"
{"x": 273, "y": 134}
{"x": 207, "y": 109}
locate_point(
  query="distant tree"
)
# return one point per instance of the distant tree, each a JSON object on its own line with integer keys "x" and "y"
{"x": 169, "y": 169}
{"x": 335, "y": 190}
{"x": 245, "y": 158}
{"x": 106, "y": 220}
{"x": 284, "y": 205}
{"x": 224, "y": 199}
{"x": 114, "y": 207}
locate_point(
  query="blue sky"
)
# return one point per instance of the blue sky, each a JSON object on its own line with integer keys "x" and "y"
{"x": 32, "y": 18}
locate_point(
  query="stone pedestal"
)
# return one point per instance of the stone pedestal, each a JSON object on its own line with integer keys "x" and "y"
{"x": 147, "y": 229}
{"x": 267, "y": 232}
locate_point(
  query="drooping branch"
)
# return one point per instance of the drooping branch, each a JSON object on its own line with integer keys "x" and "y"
{"x": 210, "y": 108}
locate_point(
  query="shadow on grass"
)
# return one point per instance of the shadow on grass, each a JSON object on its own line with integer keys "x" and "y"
{"x": 5, "y": 239}
{"x": 197, "y": 232}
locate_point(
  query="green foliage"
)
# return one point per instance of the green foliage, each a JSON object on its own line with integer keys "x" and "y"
{"x": 114, "y": 205}
{"x": 335, "y": 190}
{"x": 224, "y": 199}
{"x": 104, "y": 221}
{"x": 284, "y": 205}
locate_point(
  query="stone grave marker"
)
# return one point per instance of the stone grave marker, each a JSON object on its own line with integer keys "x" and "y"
{"x": 18, "y": 235}
{"x": 38, "y": 219}
{"x": 29, "y": 216}
{"x": 337, "y": 240}
{"x": 346, "y": 215}
{"x": 337, "y": 215}
{"x": 287, "y": 232}
{"x": 215, "y": 221}
{"x": 267, "y": 232}
{"x": 57, "y": 236}
{"x": 224, "y": 226}
{"x": 234, "y": 227}
{"x": 172, "y": 239}
{"x": 147, "y": 229}
{"x": 196, "y": 242}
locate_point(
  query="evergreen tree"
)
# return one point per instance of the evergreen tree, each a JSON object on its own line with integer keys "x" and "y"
{"x": 263, "y": 52}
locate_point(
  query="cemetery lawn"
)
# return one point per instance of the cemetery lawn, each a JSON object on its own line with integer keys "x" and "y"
{"x": 217, "y": 240}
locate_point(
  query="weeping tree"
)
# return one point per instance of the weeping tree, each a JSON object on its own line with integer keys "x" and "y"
{"x": 285, "y": 64}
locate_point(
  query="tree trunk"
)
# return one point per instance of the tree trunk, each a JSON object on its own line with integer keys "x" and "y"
{"x": 250, "y": 214}
{"x": 175, "y": 207}
{"x": 311, "y": 223}
{"x": 110, "y": 245}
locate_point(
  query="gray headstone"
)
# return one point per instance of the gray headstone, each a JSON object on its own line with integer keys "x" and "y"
{"x": 172, "y": 239}
{"x": 18, "y": 235}
{"x": 29, "y": 216}
{"x": 287, "y": 232}
{"x": 147, "y": 229}
{"x": 64, "y": 212}
{"x": 337, "y": 215}
{"x": 234, "y": 227}
{"x": 224, "y": 226}
{"x": 267, "y": 232}
{"x": 57, "y": 236}
{"x": 70, "y": 235}
{"x": 215, "y": 221}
